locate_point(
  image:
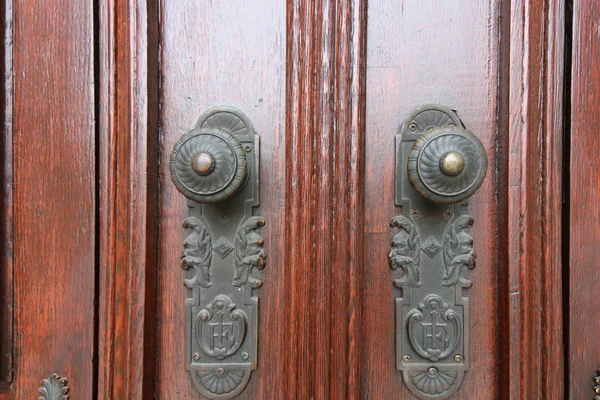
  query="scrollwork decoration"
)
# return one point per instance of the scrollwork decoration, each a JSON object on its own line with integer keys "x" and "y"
{"x": 197, "y": 253}
{"x": 54, "y": 388}
{"x": 405, "y": 253}
{"x": 249, "y": 252}
{"x": 458, "y": 252}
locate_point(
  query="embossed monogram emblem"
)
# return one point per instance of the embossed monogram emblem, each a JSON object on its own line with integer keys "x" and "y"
{"x": 221, "y": 327}
{"x": 434, "y": 329}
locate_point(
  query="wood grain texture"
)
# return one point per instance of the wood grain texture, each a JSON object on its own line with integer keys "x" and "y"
{"x": 6, "y": 200}
{"x": 534, "y": 199}
{"x": 122, "y": 167}
{"x": 324, "y": 193}
{"x": 584, "y": 224}
{"x": 423, "y": 52}
{"x": 54, "y": 195}
{"x": 212, "y": 54}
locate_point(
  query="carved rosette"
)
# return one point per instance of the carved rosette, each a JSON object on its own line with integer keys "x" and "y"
{"x": 54, "y": 388}
{"x": 405, "y": 254}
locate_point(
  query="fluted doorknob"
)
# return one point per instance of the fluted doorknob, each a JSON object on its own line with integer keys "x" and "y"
{"x": 447, "y": 164}
{"x": 208, "y": 165}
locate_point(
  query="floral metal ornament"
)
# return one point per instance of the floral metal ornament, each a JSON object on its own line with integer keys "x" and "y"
{"x": 439, "y": 165}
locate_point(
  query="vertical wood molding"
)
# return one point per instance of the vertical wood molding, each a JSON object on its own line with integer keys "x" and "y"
{"x": 122, "y": 164}
{"x": 324, "y": 149}
{"x": 583, "y": 321}
{"x": 534, "y": 199}
{"x": 6, "y": 201}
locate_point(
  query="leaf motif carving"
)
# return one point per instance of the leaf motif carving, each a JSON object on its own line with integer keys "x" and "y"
{"x": 458, "y": 251}
{"x": 405, "y": 252}
{"x": 197, "y": 253}
{"x": 249, "y": 252}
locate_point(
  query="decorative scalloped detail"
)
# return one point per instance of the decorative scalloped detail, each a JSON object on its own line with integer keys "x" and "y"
{"x": 434, "y": 385}
{"x": 424, "y": 170}
{"x": 429, "y": 119}
{"x": 54, "y": 388}
{"x": 224, "y": 180}
{"x": 225, "y": 120}
{"x": 221, "y": 381}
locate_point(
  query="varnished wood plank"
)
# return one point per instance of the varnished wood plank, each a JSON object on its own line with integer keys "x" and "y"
{"x": 584, "y": 223}
{"x": 54, "y": 194}
{"x": 534, "y": 199}
{"x": 123, "y": 183}
{"x": 424, "y": 52}
{"x": 212, "y": 54}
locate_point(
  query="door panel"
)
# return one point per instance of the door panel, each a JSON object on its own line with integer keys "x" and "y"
{"x": 215, "y": 54}
{"x": 430, "y": 53}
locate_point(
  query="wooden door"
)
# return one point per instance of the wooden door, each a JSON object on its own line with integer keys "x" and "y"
{"x": 96, "y": 95}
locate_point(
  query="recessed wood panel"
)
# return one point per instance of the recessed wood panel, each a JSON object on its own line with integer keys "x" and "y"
{"x": 223, "y": 53}
{"x": 423, "y": 52}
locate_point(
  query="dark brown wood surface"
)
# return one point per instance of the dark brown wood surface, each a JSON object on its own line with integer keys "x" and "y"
{"x": 424, "y": 52}
{"x": 324, "y": 197}
{"x": 584, "y": 224}
{"x": 6, "y": 201}
{"x": 533, "y": 273}
{"x": 54, "y": 195}
{"x": 224, "y": 53}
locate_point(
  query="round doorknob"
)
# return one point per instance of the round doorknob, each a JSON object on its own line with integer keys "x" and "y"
{"x": 447, "y": 164}
{"x": 208, "y": 165}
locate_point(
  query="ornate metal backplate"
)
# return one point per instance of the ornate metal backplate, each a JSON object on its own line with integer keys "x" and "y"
{"x": 216, "y": 167}
{"x": 432, "y": 250}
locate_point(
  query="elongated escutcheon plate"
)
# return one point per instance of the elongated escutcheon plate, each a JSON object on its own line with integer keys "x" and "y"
{"x": 438, "y": 166}
{"x": 216, "y": 166}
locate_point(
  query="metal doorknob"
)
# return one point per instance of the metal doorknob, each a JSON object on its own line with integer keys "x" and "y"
{"x": 447, "y": 164}
{"x": 208, "y": 165}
